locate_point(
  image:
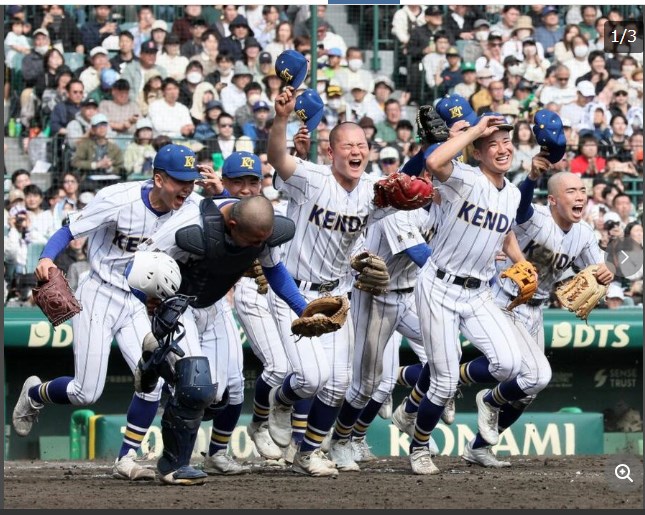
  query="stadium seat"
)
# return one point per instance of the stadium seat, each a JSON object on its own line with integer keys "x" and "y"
{"x": 74, "y": 60}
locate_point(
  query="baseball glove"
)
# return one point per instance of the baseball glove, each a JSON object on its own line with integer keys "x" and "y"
{"x": 523, "y": 273}
{"x": 373, "y": 276}
{"x": 256, "y": 273}
{"x": 403, "y": 191}
{"x": 321, "y": 316}
{"x": 582, "y": 293}
{"x": 431, "y": 128}
{"x": 55, "y": 298}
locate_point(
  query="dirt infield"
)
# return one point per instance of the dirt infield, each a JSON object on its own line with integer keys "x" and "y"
{"x": 554, "y": 482}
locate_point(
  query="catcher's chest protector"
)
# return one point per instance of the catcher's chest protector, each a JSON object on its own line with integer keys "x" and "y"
{"x": 220, "y": 263}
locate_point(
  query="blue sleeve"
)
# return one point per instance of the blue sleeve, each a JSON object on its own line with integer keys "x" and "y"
{"x": 525, "y": 209}
{"x": 57, "y": 243}
{"x": 285, "y": 287}
{"x": 419, "y": 253}
{"x": 415, "y": 165}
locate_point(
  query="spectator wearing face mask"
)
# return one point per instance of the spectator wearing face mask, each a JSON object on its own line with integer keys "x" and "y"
{"x": 354, "y": 75}
{"x": 245, "y": 113}
{"x": 579, "y": 65}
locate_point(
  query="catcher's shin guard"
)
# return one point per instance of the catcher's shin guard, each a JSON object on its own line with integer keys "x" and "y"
{"x": 193, "y": 392}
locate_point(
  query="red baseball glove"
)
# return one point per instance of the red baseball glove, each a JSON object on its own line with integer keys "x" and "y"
{"x": 55, "y": 298}
{"x": 402, "y": 191}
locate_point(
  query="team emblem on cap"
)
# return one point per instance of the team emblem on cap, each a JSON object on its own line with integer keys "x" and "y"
{"x": 247, "y": 162}
{"x": 285, "y": 75}
{"x": 456, "y": 112}
{"x": 190, "y": 162}
{"x": 302, "y": 115}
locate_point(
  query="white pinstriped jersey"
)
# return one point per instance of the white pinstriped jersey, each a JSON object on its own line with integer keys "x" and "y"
{"x": 329, "y": 220}
{"x": 164, "y": 239}
{"x": 476, "y": 217}
{"x": 117, "y": 220}
{"x": 392, "y": 235}
{"x": 552, "y": 250}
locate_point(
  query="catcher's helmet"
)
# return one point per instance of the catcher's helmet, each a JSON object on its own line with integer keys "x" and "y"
{"x": 154, "y": 274}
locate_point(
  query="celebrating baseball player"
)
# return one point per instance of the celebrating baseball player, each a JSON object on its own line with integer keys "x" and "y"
{"x": 241, "y": 177}
{"x": 478, "y": 210}
{"x": 214, "y": 244}
{"x": 331, "y": 206}
{"x": 116, "y": 220}
{"x": 553, "y": 238}
{"x": 377, "y": 312}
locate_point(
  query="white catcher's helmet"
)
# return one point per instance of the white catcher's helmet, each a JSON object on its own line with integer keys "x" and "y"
{"x": 155, "y": 274}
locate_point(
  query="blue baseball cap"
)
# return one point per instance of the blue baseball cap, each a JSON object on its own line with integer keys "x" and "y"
{"x": 549, "y": 133}
{"x": 240, "y": 164}
{"x": 453, "y": 108}
{"x": 108, "y": 77}
{"x": 177, "y": 161}
{"x": 291, "y": 67}
{"x": 310, "y": 108}
{"x": 261, "y": 104}
{"x": 336, "y": 52}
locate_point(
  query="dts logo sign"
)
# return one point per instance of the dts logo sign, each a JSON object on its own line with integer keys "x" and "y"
{"x": 42, "y": 334}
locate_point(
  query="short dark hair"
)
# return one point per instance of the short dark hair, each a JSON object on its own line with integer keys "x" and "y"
{"x": 586, "y": 138}
{"x": 596, "y": 53}
{"x": 224, "y": 114}
{"x": 224, "y": 55}
{"x": 32, "y": 189}
{"x": 253, "y": 86}
{"x": 121, "y": 85}
{"x": 127, "y": 34}
{"x": 168, "y": 81}
{"x": 619, "y": 195}
{"x": 72, "y": 82}
{"x": 195, "y": 64}
{"x": 616, "y": 116}
{"x": 332, "y": 133}
{"x": 18, "y": 173}
{"x": 160, "y": 141}
{"x": 209, "y": 33}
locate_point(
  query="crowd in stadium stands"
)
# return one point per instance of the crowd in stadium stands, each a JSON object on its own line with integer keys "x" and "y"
{"x": 110, "y": 92}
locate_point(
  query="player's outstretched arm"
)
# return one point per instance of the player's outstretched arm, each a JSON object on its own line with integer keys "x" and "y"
{"x": 512, "y": 249}
{"x": 56, "y": 244}
{"x": 285, "y": 287}
{"x": 279, "y": 158}
{"x": 539, "y": 165}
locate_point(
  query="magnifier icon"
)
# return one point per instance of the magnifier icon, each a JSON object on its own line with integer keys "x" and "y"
{"x": 623, "y": 471}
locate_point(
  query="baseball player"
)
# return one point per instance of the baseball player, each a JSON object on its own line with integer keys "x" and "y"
{"x": 399, "y": 240}
{"x": 214, "y": 244}
{"x": 452, "y": 293}
{"x": 331, "y": 206}
{"x": 116, "y": 221}
{"x": 241, "y": 177}
{"x": 553, "y": 238}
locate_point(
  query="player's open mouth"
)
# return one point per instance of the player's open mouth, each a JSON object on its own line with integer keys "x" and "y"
{"x": 502, "y": 160}
{"x": 577, "y": 210}
{"x": 355, "y": 163}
